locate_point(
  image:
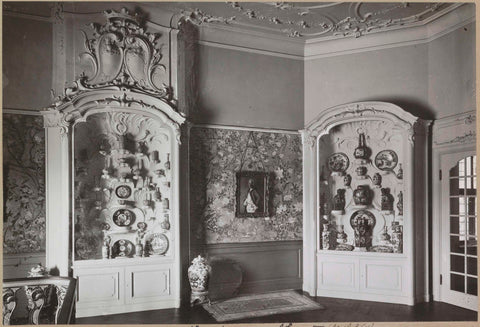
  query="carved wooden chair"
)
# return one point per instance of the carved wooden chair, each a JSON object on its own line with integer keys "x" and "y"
{"x": 46, "y": 300}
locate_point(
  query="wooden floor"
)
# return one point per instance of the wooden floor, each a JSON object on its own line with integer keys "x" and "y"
{"x": 336, "y": 310}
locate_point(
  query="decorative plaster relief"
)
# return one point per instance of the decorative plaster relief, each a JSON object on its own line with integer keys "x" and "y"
{"x": 122, "y": 56}
{"x": 315, "y": 20}
{"x": 215, "y": 157}
{"x": 458, "y": 129}
{"x": 24, "y": 184}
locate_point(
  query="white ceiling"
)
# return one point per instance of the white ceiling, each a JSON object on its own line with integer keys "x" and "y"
{"x": 312, "y": 20}
{"x": 299, "y": 29}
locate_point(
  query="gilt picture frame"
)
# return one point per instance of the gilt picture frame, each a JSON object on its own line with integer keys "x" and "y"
{"x": 252, "y": 194}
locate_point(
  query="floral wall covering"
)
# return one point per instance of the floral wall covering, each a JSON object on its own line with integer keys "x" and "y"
{"x": 24, "y": 184}
{"x": 215, "y": 156}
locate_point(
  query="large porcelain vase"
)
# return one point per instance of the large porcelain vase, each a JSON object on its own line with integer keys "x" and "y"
{"x": 198, "y": 274}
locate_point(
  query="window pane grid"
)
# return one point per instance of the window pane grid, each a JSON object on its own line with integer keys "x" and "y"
{"x": 463, "y": 211}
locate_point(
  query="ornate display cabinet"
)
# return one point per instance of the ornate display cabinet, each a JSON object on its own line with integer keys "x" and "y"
{"x": 364, "y": 204}
{"x": 113, "y": 148}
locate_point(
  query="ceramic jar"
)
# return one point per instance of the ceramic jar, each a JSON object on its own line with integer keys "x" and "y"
{"x": 363, "y": 234}
{"x": 361, "y": 171}
{"x": 198, "y": 274}
{"x": 339, "y": 200}
{"x": 362, "y": 151}
{"x": 361, "y": 195}
{"x": 386, "y": 200}
{"x": 326, "y": 237}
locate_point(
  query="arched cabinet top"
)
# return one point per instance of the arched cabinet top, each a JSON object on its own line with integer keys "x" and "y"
{"x": 109, "y": 99}
{"x": 358, "y": 111}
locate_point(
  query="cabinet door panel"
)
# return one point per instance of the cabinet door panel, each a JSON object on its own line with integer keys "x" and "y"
{"x": 94, "y": 286}
{"x": 338, "y": 273}
{"x": 147, "y": 283}
{"x": 382, "y": 277}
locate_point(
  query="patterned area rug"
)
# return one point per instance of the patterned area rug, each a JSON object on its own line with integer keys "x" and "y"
{"x": 258, "y": 305}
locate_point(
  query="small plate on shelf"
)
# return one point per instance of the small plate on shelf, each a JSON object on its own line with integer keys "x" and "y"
{"x": 157, "y": 244}
{"x": 386, "y": 160}
{"x": 123, "y": 249}
{"x": 123, "y": 217}
{"x": 123, "y": 191}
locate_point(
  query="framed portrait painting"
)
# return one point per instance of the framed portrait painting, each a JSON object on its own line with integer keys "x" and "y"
{"x": 252, "y": 194}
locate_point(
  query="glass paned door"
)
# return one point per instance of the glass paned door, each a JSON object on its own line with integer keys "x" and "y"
{"x": 459, "y": 195}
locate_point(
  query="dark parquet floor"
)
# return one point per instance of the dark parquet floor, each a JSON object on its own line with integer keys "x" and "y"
{"x": 336, "y": 310}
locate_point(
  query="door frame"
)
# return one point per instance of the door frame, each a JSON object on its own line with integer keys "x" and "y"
{"x": 453, "y": 134}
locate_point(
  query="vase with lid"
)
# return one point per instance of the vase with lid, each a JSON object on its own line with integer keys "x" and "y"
{"x": 362, "y": 152}
{"x": 198, "y": 276}
{"x": 361, "y": 195}
{"x": 386, "y": 200}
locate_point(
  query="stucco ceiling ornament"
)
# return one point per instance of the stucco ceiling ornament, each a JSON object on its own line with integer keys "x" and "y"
{"x": 198, "y": 17}
{"x": 313, "y": 20}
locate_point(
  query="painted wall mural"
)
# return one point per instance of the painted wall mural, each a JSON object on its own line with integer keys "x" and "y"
{"x": 24, "y": 184}
{"x": 215, "y": 156}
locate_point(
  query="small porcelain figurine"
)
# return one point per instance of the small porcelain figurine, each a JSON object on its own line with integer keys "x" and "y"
{"x": 166, "y": 204}
{"x": 400, "y": 172}
{"x": 167, "y": 163}
{"x": 347, "y": 180}
{"x": 377, "y": 180}
{"x": 341, "y": 235}
{"x": 326, "y": 237}
{"x": 106, "y": 247}
{"x": 384, "y": 237}
{"x": 165, "y": 223}
{"x": 38, "y": 271}
{"x": 400, "y": 203}
{"x": 397, "y": 237}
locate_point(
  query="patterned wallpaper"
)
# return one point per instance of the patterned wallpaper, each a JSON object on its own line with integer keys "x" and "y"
{"x": 215, "y": 156}
{"x": 24, "y": 184}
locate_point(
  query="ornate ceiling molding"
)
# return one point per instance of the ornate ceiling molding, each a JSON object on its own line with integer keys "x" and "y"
{"x": 455, "y": 130}
{"x": 304, "y": 31}
{"x": 309, "y": 20}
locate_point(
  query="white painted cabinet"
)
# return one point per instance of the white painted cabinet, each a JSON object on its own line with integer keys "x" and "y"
{"x": 365, "y": 212}
{"x": 113, "y": 150}
{"x": 118, "y": 286}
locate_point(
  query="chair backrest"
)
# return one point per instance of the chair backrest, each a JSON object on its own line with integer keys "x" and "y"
{"x": 49, "y": 298}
